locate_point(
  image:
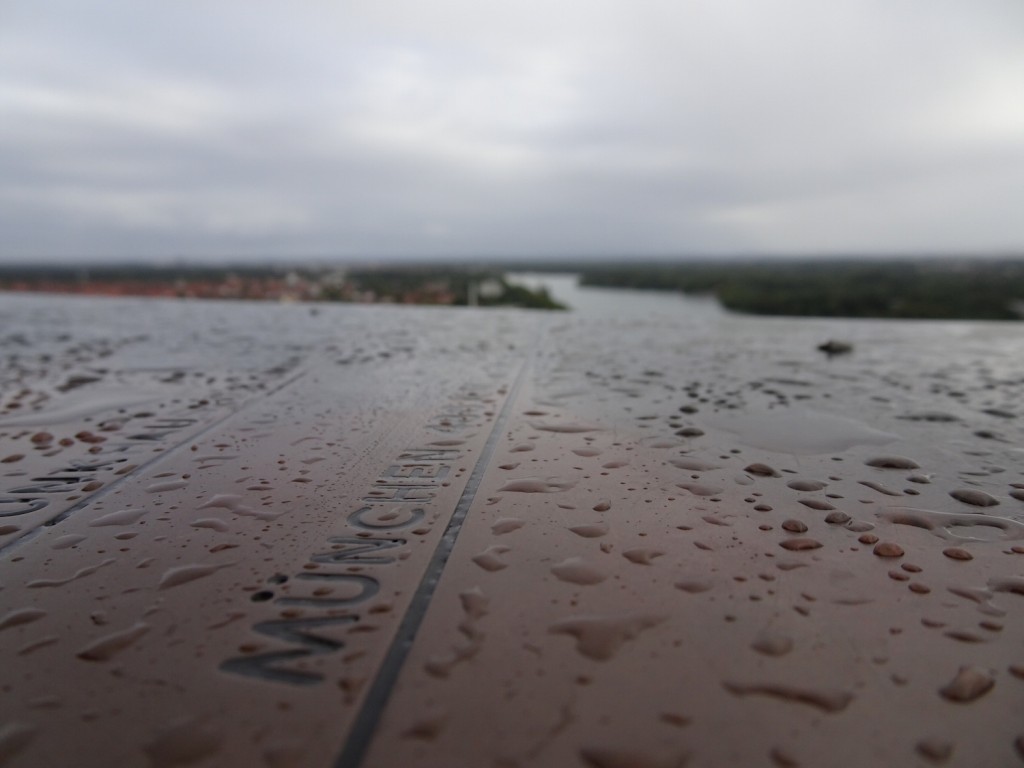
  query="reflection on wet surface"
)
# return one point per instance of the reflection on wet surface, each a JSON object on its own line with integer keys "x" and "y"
{"x": 240, "y": 534}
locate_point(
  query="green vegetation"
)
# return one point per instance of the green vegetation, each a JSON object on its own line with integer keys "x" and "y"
{"x": 980, "y": 289}
{"x": 521, "y": 296}
{"x": 457, "y": 285}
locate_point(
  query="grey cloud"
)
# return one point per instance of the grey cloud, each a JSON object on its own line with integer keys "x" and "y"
{"x": 599, "y": 128}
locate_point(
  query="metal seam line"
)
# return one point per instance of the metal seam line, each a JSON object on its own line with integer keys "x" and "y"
{"x": 60, "y": 517}
{"x": 365, "y": 725}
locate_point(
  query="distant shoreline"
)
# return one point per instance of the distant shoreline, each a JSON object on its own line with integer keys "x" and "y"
{"x": 897, "y": 289}
{"x": 935, "y": 289}
{"x": 445, "y": 286}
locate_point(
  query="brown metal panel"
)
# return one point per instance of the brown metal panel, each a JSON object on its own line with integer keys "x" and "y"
{"x": 389, "y": 536}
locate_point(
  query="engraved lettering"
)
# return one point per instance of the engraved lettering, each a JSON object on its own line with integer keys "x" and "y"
{"x": 80, "y": 465}
{"x": 377, "y": 519}
{"x": 433, "y": 471}
{"x": 30, "y": 505}
{"x": 49, "y": 485}
{"x": 351, "y": 549}
{"x": 411, "y": 493}
{"x": 267, "y": 666}
{"x": 398, "y": 499}
{"x": 428, "y": 454}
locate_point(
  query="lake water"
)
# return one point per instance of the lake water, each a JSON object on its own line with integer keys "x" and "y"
{"x": 587, "y": 300}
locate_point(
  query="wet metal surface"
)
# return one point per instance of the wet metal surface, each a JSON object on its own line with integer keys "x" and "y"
{"x": 239, "y": 534}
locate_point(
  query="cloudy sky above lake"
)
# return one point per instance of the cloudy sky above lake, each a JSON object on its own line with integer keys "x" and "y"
{"x": 417, "y": 128}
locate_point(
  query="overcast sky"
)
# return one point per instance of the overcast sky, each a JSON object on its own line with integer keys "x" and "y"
{"x": 414, "y": 128}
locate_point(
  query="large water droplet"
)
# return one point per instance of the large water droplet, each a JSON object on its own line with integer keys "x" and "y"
{"x": 806, "y": 485}
{"x": 772, "y": 643}
{"x": 590, "y": 530}
{"x": 183, "y": 742}
{"x": 576, "y": 571}
{"x": 642, "y": 555}
{"x": 800, "y": 544}
{"x": 570, "y": 428}
{"x": 21, "y": 616}
{"x": 974, "y": 497}
{"x": 490, "y": 558}
{"x": 507, "y": 525}
{"x": 537, "y": 485}
{"x": 827, "y": 700}
{"x": 970, "y": 683}
{"x": 693, "y": 465}
{"x": 122, "y": 517}
{"x": 79, "y": 574}
{"x": 935, "y": 750}
{"x": 212, "y": 523}
{"x": 892, "y": 462}
{"x": 14, "y": 737}
{"x": 183, "y": 574}
{"x": 600, "y": 637}
{"x": 699, "y": 489}
{"x": 110, "y": 645}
